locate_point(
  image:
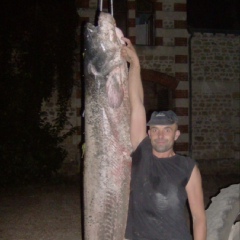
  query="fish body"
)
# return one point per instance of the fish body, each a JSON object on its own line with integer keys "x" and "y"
{"x": 107, "y": 161}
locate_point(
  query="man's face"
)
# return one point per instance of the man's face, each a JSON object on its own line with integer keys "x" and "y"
{"x": 163, "y": 137}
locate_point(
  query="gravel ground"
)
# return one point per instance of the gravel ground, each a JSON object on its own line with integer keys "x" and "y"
{"x": 52, "y": 211}
{"x": 47, "y": 212}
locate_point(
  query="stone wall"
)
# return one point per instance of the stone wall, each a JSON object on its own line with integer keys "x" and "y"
{"x": 165, "y": 59}
{"x": 215, "y": 80}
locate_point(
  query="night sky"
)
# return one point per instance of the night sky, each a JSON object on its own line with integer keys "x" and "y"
{"x": 214, "y": 14}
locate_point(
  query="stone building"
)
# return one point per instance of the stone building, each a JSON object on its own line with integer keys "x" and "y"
{"x": 215, "y": 118}
{"x": 196, "y": 74}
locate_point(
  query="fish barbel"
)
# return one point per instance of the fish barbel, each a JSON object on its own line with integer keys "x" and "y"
{"x": 107, "y": 161}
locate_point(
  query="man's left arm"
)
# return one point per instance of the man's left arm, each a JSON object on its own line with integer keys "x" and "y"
{"x": 196, "y": 203}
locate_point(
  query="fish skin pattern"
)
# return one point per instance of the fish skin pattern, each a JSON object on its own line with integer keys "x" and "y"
{"x": 107, "y": 161}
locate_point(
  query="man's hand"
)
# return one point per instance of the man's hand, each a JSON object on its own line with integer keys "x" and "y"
{"x": 129, "y": 53}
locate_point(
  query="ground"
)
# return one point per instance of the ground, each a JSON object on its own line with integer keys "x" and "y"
{"x": 52, "y": 211}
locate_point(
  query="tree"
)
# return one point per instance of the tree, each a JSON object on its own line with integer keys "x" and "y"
{"x": 37, "y": 41}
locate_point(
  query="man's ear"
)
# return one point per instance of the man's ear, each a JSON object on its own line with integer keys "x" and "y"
{"x": 177, "y": 134}
{"x": 148, "y": 132}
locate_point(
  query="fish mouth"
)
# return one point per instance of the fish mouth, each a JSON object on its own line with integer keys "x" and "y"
{"x": 106, "y": 18}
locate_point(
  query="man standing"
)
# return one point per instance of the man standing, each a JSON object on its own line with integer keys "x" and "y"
{"x": 161, "y": 181}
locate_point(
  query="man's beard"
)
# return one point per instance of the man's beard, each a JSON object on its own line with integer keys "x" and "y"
{"x": 162, "y": 148}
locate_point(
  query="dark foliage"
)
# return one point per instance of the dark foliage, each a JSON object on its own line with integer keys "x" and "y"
{"x": 37, "y": 40}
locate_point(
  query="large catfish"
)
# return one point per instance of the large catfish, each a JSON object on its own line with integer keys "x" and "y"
{"x": 107, "y": 162}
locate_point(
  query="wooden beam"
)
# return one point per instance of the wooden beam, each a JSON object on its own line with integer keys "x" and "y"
{"x": 158, "y": 77}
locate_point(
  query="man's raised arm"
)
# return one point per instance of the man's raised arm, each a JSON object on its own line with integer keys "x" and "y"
{"x": 138, "y": 114}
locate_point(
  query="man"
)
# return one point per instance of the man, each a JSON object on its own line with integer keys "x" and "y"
{"x": 162, "y": 181}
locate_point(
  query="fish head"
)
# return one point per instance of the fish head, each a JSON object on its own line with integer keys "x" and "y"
{"x": 102, "y": 45}
{"x": 106, "y": 21}
{"x": 103, "y": 61}
{"x": 107, "y": 29}
{"x": 90, "y": 34}
{"x": 108, "y": 24}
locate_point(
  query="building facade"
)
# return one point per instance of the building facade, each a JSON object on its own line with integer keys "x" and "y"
{"x": 205, "y": 67}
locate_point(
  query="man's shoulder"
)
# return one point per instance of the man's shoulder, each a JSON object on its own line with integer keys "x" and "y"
{"x": 145, "y": 144}
{"x": 144, "y": 147}
{"x": 186, "y": 162}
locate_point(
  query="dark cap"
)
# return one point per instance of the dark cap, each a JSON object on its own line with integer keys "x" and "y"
{"x": 163, "y": 118}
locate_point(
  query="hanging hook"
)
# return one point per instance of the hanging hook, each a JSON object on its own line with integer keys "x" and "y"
{"x": 100, "y": 5}
{"x": 111, "y": 5}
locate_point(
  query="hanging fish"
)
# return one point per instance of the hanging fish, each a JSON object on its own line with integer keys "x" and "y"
{"x": 107, "y": 161}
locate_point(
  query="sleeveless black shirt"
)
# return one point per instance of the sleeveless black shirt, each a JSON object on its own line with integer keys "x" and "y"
{"x": 158, "y": 196}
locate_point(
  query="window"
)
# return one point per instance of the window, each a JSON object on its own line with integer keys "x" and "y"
{"x": 145, "y": 22}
